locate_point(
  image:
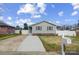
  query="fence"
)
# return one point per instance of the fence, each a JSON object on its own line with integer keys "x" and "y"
{"x": 66, "y": 33}
{"x": 22, "y": 31}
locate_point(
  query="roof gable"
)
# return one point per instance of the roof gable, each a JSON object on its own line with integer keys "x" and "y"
{"x": 43, "y": 22}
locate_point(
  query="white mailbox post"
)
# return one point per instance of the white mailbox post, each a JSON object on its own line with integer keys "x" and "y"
{"x": 65, "y": 41}
{"x": 62, "y": 46}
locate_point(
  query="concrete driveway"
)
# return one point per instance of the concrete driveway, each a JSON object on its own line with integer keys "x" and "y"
{"x": 31, "y": 43}
{"x": 11, "y": 44}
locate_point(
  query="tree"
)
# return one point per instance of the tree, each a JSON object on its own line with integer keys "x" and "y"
{"x": 25, "y": 26}
{"x": 78, "y": 23}
{"x": 64, "y": 27}
{"x": 68, "y": 27}
{"x": 18, "y": 28}
{"x": 30, "y": 29}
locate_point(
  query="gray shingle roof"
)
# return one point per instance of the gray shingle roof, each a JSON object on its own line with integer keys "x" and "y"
{"x": 4, "y": 24}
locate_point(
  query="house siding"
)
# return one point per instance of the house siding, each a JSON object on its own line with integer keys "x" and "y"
{"x": 44, "y": 30}
{"x": 7, "y": 30}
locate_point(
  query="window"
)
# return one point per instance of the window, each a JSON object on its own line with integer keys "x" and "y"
{"x": 38, "y": 28}
{"x": 49, "y": 28}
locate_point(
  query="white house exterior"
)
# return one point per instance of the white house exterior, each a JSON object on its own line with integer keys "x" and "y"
{"x": 44, "y": 28}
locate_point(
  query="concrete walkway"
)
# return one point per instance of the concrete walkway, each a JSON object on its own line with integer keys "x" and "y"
{"x": 31, "y": 43}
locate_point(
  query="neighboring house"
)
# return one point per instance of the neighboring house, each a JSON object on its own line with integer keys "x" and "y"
{"x": 6, "y": 29}
{"x": 43, "y": 27}
{"x": 77, "y": 31}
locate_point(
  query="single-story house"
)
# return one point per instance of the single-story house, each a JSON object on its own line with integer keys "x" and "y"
{"x": 6, "y": 29}
{"x": 77, "y": 31}
{"x": 43, "y": 28}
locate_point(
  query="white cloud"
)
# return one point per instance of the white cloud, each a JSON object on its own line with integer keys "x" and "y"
{"x": 1, "y": 17}
{"x": 53, "y": 5}
{"x": 27, "y": 8}
{"x": 42, "y": 7}
{"x": 50, "y": 21}
{"x": 53, "y": 22}
{"x": 1, "y": 10}
{"x": 36, "y": 16}
{"x": 61, "y": 13}
{"x": 9, "y": 18}
{"x": 75, "y": 6}
{"x": 58, "y": 22}
{"x": 74, "y": 13}
{"x": 69, "y": 20}
{"x": 33, "y": 9}
{"x": 9, "y": 22}
{"x": 20, "y": 22}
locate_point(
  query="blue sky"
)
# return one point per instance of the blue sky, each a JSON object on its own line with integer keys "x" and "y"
{"x": 58, "y": 13}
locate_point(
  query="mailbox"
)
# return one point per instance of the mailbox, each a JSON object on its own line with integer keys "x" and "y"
{"x": 66, "y": 41}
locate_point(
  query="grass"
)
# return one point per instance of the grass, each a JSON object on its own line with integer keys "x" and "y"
{"x": 75, "y": 38}
{"x": 5, "y": 36}
{"x": 74, "y": 47}
{"x": 51, "y": 43}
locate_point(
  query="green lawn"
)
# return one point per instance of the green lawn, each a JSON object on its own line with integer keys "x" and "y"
{"x": 75, "y": 44}
{"x": 5, "y": 36}
{"x": 75, "y": 38}
{"x": 51, "y": 43}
